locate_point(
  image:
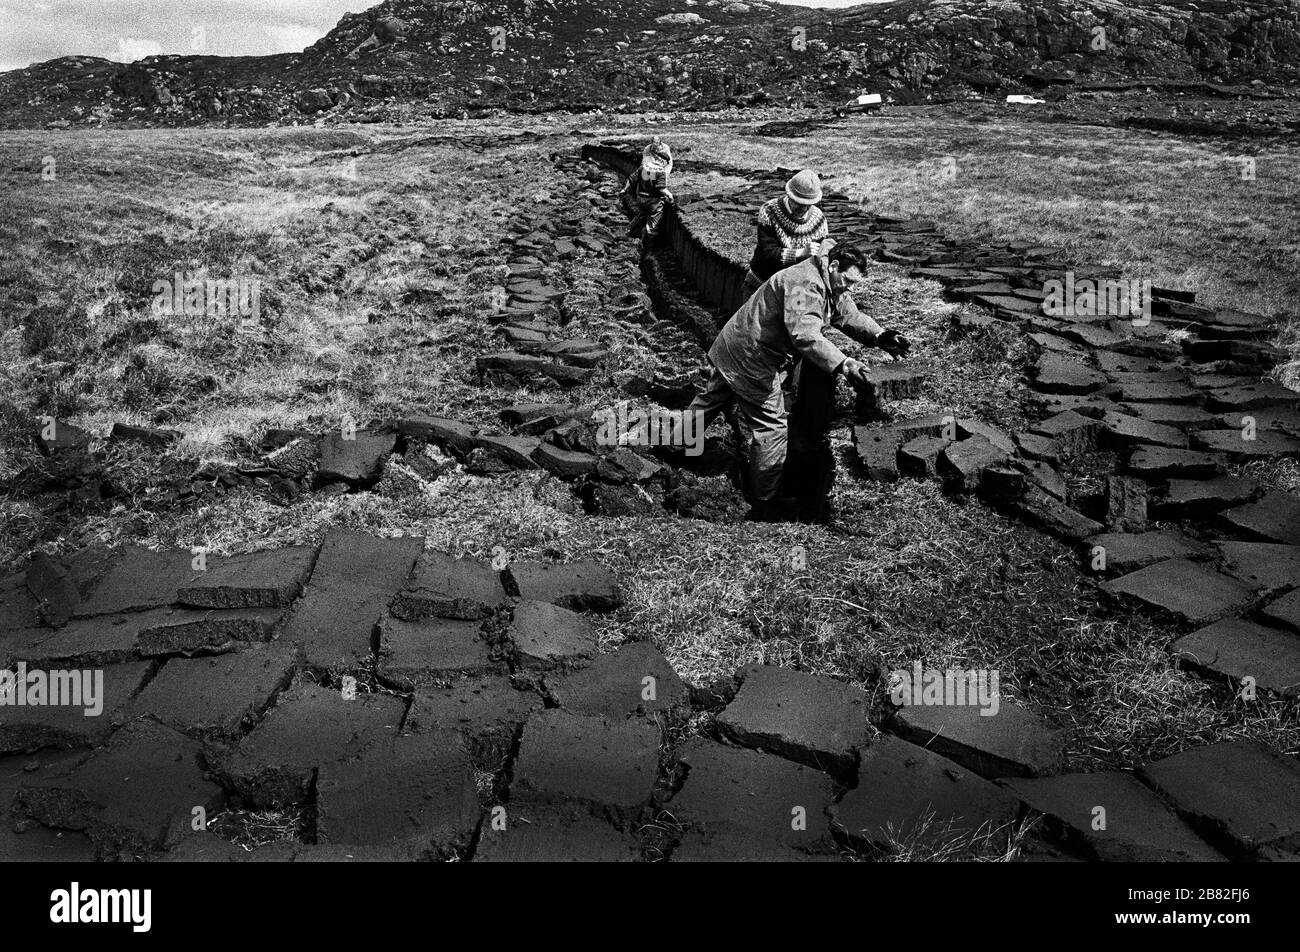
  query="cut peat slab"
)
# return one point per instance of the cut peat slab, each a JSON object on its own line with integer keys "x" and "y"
{"x": 1191, "y": 592}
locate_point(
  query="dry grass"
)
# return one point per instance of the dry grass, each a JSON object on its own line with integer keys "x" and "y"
{"x": 336, "y": 259}
{"x": 252, "y": 829}
{"x": 1156, "y": 206}
{"x": 933, "y": 840}
{"x": 374, "y": 289}
{"x": 905, "y": 573}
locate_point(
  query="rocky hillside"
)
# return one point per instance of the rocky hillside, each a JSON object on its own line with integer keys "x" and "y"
{"x": 441, "y": 57}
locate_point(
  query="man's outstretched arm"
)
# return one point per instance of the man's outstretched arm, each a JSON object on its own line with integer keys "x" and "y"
{"x": 851, "y": 322}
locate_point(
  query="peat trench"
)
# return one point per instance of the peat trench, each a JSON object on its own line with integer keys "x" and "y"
{"x": 418, "y": 706}
{"x": 1175, "y": 398}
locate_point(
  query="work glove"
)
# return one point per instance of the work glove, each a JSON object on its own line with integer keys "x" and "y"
{"x": 894, "y": 344}
{"x": 855, "y": 371}
{"x": 669, "y": 197}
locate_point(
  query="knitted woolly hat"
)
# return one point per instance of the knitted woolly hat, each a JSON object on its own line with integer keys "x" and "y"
{"x": 805, "y": 188}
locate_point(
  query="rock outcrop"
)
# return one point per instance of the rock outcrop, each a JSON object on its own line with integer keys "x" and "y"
{"x": 541, "y": 55}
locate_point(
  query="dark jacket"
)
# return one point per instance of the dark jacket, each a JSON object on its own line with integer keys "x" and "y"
{"x": 767, "y": 254}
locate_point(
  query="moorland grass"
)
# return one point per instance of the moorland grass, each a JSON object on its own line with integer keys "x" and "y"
{"x": 377, "y": 289}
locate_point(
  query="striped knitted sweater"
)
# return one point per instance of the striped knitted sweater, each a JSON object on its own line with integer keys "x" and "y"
{"x": 791, "y": 233}
{"x": 777, "y": 231}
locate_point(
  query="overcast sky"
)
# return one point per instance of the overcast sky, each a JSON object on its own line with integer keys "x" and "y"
{"x": 126, "y": 30}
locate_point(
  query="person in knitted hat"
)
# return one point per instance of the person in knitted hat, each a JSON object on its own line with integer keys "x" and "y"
{"x": 790, "y": 228}
{"x": 646, "y": 192}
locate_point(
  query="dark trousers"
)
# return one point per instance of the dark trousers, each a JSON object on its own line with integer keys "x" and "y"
{"x": 762, "y": 428}
{"x": 809, "y": 471}
{"x": 646, "y": 212}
